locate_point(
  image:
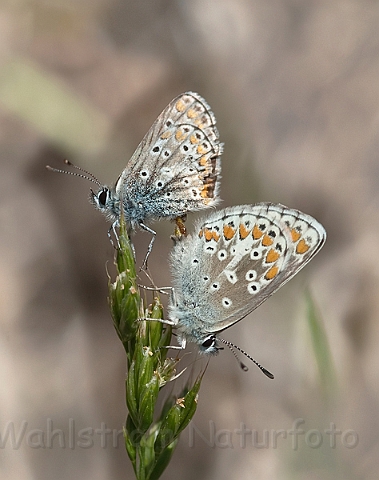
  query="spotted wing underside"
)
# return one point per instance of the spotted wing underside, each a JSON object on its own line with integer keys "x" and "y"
{"x": 246, "y": 254}
{"x": 177, "y": 165}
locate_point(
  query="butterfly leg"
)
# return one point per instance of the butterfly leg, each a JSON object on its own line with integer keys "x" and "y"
{"x": 181, "y": 340}
{"x": 173, "y": 323}
{"x": 150, "y": 247}
{"x": 160, "y": 320}
{"x": 112, "y": 228}
{"x": 158, "y": 289}
{"x": 182, "y": 345}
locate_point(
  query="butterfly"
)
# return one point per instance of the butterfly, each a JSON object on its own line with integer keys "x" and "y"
{"x": 235, "y": 259}
{"x": 175, "y": 170}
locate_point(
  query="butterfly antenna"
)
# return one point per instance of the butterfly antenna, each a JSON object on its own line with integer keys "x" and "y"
{"x": 242, "y": 365}
{"x": 86, "y": 174}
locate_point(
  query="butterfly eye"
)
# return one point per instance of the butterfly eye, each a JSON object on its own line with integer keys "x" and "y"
{"x": 103, "y": 197}
{"x": 209, "y": 342}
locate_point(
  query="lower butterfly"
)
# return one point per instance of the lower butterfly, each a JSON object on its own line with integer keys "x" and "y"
{"x": 235, "y": 259}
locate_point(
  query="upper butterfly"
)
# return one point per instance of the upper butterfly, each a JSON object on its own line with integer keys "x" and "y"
{"x": 174, "y": 170}
{"x": 234, "y": 261}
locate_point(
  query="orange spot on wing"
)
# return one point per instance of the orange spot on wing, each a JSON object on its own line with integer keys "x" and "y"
{"x": 302, "y": 247}
{"x": 166, "y": 134}
{"x": 270, "y": 274}
{"x": 179, "y": 135}
{"x": 267, "y": 241}
{"x": 295, "y": 235}
{"x": 256, "y": 232}
{"x": 272, "y": 256}
{"x": 244, "y": 232}
{"x": 191, "y": 113}
{"x": 201, "y": 150}
{"x": 180, "y": 106}
{"x": 228, "y": 232}
{"x": 204, "y": 192}
{"x": 194, "y": 139}
{"x": 203, "y": 161}
{"x": 208, "y": 234}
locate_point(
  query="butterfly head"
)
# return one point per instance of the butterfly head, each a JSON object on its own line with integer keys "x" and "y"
{"x": 208, "y": 345}
{"x": 105, "y": 200}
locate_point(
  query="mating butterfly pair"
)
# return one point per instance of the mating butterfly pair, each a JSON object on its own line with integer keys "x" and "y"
{"x": 237, "y": 257}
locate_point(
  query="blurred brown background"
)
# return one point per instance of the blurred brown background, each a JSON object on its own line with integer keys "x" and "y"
{"x": 294, "y": 86}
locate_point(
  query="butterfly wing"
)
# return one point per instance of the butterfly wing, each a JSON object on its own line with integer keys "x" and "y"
{"x": 240, "y": 256}
{"x": 177, "y": 165}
